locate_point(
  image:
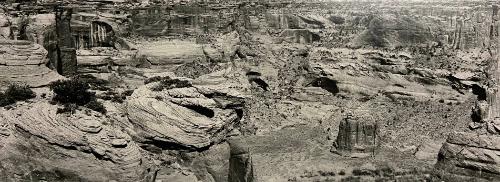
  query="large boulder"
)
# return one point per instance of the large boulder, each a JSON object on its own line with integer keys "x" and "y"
{"x": 185, "y": 117}
{"x": 471, "y": 154}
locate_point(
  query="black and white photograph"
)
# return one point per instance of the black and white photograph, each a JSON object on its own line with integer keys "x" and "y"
{"x": 249, "y": 90}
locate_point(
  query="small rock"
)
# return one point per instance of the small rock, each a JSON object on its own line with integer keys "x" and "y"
{"x": 89, "y": 125}
{"x": 474, "y": 125}
{"x": 4, "y": 131}
{"x": 428, "y": 150}
{"x": 119, "y": 142}
{"x": 99, "y": 151}
{"x": 411, "y": 148}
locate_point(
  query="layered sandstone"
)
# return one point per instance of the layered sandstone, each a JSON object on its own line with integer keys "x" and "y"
{"x": 94, "y": 149}
{"x": 187, "y": 117}
{"x": 23, "y": 61}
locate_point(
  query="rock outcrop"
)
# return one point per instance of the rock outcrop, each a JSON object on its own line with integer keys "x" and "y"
{"x": 475, "y": 153}
{"x": 187, "y": 117}
{"x": 358, "y": 136}
{"x": 83, "y": 146}
{"x": 23, "y": 61}
{"x": 471, "y": 154}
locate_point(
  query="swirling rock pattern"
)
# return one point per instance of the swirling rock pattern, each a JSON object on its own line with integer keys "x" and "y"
{"x": 186, "y": 117}
{"x": 85, "y": 136}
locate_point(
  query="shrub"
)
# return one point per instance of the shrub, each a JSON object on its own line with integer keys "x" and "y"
{"x": 153, "y": 79}
{"x": 113, "y": 96}
{"x": 68, "y": 108}
{"x": 96, "y": 106}
{"x": 169, "y": 83}
{"x": 73, "y": 93}
{"x": 16, "y": 93}
{"x": 94, "y": 82}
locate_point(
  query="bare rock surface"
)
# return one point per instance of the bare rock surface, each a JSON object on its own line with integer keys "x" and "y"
{"x": 87, "y": 139}
{"x": 188, "y": 117}
{"x": 23, "y": 61}
{"x": 471, "y": 154}
{"x": 275, "y": 79}
{"x": 300, "y": 154}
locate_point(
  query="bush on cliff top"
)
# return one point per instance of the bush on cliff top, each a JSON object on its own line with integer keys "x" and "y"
{"x": 167, "y": 83}
{"x": 75, "y": 92}
{"x": 16, "y": 93}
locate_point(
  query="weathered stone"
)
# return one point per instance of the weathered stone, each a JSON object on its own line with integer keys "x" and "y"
{"x": 240, "y": 163}
{"x": 66, "y": 63}
{"x": 24, "y": 62}
{"x": 357, "y": 135}
{"x": 471, "y": 154}
{"x": 182, "y": 116}
{"x": 481, "y": 110}
{"x": 66, "y": 147}
{"x": 119, "y": 142}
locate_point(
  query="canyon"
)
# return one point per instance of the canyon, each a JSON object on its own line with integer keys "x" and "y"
{"x": 224, "y": 90}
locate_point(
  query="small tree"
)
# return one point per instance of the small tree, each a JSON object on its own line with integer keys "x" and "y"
{"x": 75, "y": 92}
{"x": 16, "y": 93}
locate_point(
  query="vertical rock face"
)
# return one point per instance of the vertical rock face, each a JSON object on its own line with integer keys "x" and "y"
{"x": 357, "y": 136}
{"x": 240, "y": 163}
{"x": 474, "y": 154}
{"x": 66, "y": 61}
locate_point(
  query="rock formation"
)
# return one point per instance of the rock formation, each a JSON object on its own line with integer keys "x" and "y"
{"x": 94, "y": 150}
{"x": 188, "y": 117}
{"x": 474, "y": 153}
{"x": 65, "y": 63}
{"x": 357, "y": 136}
{"x": 24, "y": 62}
{"x": 252, "y": 90}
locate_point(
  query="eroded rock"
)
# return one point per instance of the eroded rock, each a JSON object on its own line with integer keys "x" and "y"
{"x": 23, "y": 61}
{"x": 180, "y": 116}
{"x": 358, "y": 136}
{"x": 471, "y": 155}
{"x": 58, "y": 137}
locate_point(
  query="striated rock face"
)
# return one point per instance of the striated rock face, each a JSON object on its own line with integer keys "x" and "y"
{"x": 23, "y": 61}
{"x": 187, "y": 117}
{"x": 476, "y": 153}
{"x": 358, "y": 136}
{"x": 83, "y": 146}
{"x": 302, "y": 36}
{"x": 5, "y": 29}
{"x": 240, "y": 163}
{"x": 392, "y": 31}
{"x": 66, "y": 63}
{"x": 170, "y": 52}
{"x": 471, "y": 155}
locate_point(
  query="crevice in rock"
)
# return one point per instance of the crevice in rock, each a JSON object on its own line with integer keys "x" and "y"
{"x": 479, "y": 91}
{"x": 262, "y": 84}
{"x": 201, "y": 110}
{"x": 253, "y": 73}
{"x": 156, "y": 146}
{"x": 327, "y": 84}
